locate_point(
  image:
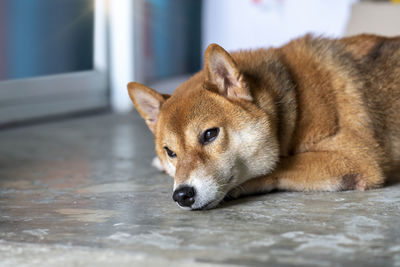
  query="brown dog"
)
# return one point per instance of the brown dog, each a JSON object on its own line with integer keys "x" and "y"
{"x": 314, "y": 115}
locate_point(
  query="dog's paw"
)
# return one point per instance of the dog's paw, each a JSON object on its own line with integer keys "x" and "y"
{"x": 157, "y": 163}
{"x": 353, "y": 181}
{"x": 234, "y": 193}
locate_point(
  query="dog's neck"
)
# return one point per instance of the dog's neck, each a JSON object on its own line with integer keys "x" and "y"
{"x": 286, "y": 120}
{"x": 277, "y": 81}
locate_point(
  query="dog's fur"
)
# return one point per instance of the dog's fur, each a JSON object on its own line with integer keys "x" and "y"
{"x": 314, "y": 115}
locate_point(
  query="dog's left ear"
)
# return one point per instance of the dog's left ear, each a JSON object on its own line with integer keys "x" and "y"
{"x": 147, "y": 101}
{"x": 220, "y": 70}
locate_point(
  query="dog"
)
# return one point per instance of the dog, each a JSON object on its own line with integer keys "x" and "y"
{"x": 316, "y": 114}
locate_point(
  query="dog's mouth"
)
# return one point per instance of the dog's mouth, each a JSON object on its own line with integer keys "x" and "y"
{"x": 209, "y": 205}
{"x": 214, "y": 202}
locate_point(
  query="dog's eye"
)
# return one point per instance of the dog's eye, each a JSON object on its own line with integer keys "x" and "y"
{"x": 208, "y": 136}
{"x": 170, "y": 153}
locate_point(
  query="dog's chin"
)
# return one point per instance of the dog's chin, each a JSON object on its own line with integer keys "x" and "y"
{"x": 207, "y": 206}
{"x": 182, "y": 207}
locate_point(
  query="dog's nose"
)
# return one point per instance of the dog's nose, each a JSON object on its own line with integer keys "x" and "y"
{"x": 184, "y": 196}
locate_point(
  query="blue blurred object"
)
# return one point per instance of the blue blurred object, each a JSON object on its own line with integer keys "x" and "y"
{"x": 44, "y": 37}
{"x": 172, "y": 38}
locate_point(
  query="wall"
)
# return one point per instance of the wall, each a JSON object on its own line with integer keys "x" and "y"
{"x": 260, "y": 23}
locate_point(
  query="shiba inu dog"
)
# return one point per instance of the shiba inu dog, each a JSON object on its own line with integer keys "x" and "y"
{"x": 314, "y": 115}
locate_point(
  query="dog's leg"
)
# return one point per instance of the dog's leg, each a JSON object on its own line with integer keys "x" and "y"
{"x": 157, "y": 163}
{"x": 315, "y": 171}
{"x": 261, "y": 184}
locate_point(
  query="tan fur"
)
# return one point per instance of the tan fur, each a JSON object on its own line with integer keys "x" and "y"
{"x": 315, "y": 114}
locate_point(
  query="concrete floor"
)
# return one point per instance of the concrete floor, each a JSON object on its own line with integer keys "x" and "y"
{"x": 82, "y": 192}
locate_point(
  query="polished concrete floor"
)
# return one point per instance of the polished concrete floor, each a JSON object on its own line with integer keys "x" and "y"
{"x": 82, "y": 192}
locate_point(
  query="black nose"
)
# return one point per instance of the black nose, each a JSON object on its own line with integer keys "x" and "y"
{"x": 184, "y": 196}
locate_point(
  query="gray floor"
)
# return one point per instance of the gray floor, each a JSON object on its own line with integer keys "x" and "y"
{"x": 82, "y": 192}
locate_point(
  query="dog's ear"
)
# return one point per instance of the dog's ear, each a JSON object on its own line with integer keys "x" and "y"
{"x": 221, "y": 71}
{"x": 147, "y": 101}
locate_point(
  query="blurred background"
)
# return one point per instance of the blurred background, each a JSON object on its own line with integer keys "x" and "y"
{"x": 73, "y": 57}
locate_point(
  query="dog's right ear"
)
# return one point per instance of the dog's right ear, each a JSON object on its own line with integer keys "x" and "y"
{"x": 147, "y": 101}
{"x": 221, "y": 71}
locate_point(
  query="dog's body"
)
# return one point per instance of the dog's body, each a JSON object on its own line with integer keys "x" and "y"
{"x": 315, "y": 114}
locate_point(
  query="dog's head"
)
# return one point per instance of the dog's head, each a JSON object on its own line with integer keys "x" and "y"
{"x": 209, "y": 135}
